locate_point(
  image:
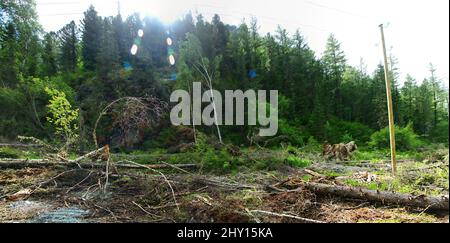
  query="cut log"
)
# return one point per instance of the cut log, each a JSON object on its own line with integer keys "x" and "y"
{"x": 19, "y": 145}
{"x": 21, "y": 163}
{"x": 428, "y": 202}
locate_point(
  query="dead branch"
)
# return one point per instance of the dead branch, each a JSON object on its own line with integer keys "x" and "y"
{"x": 38, "y": 142}
{"x": 215, "y": 183}
{"x": 164, "y": 176}
{"x": 176, "y": 167}
{"x": 37, "y": 163}
{"x": 137, "y": 113}
{"x": 313, "y": 173}
{"x": 303, "y": 220}
{"x": 88, "y": 155}
{"x": 27, "y": 192}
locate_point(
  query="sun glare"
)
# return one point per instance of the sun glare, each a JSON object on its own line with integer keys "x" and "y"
{"x": 166, "y": 11}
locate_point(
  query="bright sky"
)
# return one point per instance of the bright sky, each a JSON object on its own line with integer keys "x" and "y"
{"x": 416, "y": 30}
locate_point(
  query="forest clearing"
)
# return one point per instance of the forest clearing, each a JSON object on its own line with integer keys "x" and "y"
{"x": 118, "y": 116}
{"x": 173, "y": 188}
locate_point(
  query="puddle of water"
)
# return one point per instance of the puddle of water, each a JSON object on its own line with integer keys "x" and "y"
{"x": 61, "y": 215}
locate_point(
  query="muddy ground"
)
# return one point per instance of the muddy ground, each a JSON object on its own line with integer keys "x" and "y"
{"x": 59, "y": 194}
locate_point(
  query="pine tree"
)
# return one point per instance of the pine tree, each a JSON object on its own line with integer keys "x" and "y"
{"x": 9, "y": 68}
{"x": 49, "y": 55}
{"x": 408, "y": 101}
{"x": 108, "y": 54}
{"x": 68, "y": 38}
{"x": 120, "y": 38}
{"x": 220, "y": 36}
{"x": 92, "y": 27}
{"x": 334, "y": 62}
{"x": 379, "y": 102}
{"x": 182, "y": 27}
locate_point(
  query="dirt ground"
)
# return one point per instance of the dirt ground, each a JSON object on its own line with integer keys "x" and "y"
{"x": 57, "y": 194}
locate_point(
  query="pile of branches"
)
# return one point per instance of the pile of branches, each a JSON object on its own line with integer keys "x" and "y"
{"x": 132, "y": 114}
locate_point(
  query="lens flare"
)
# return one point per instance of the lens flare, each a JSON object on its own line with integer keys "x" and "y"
{"x": 140, "y": 33}
{"x": 169, "y": 41}
{"x": 172, "y": 60}
{"x": 134, "y": 49}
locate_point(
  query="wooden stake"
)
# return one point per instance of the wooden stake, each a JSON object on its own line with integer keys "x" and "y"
{"x": 390, "y": 106}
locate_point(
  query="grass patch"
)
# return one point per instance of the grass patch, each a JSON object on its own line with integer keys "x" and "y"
{"x": 295, "y": 161}
{"x": 10, "y": 153}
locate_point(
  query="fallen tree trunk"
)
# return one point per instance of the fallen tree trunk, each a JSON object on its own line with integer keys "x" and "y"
{"x": 432, "y": 203}
{"x": 36, "y": 163}
{"x": 19, "y": 145}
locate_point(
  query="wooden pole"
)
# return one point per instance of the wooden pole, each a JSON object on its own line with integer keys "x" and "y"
{"x": 390, "y": 106}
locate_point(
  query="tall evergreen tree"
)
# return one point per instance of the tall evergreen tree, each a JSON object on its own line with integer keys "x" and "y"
{"x": 49, "y": 55}
{"x": 9, "y": 68}
{"x": 68, "y": 38}
{"x": 92, "y": 28}
{"x": 108, "y": 54}
{"x": 379, "y": 102}
{"x": 334, "y": 63}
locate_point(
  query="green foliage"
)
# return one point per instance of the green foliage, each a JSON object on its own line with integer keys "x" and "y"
{"x": 296, "y": 135}
{"x": 219, "y": 161}
{"x": 61, "y": 114}
{"x": 440, "y": 133}
{"x": 339, "y": 131}
{"x": 11, "y": 153}
{"x": 295, "y": 161}
{"x": 92, "y": 28}
{"x": 405, "y": 139}
{"x": 69, "y": 50}
{"x": 323, "y": 97}
{"x": 370, "y": 155}
{"x": 49, "y": 56}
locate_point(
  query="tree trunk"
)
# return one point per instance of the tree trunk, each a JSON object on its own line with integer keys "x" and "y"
{"x": 432, "y": 203}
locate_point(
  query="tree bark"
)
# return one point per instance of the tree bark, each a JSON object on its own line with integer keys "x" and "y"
{"x": 432, "y": 203}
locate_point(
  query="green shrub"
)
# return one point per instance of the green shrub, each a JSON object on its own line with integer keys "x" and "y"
{"x": 296, "y": 135}
{"x": 405, "y": 139}
{"x": 268, "y": 164}
{"x": 440, "y": 133}
{"x": 217, "y": 160}
{"x": 338, "y": 131}
{"x": 297, "y": 162}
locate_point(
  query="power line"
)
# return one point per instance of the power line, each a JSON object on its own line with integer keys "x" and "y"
{"x": 57, "y": 3}
{"x": 270, "y": 19}
{"x": 335, "y": 9}
{"x": 59, "y": 14}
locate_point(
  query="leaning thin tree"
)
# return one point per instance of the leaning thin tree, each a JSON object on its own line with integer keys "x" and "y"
{"x": 191, "y": 55}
